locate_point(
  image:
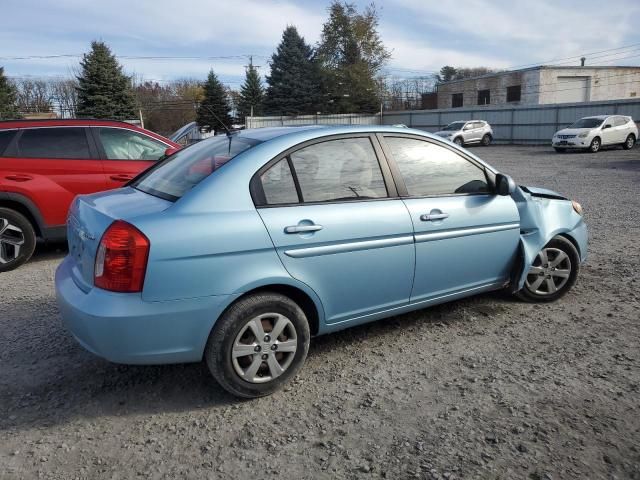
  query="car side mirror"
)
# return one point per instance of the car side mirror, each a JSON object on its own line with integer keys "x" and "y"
{"x": 170, "y": 151}
{"x": 504, "y": 185}
{"x": 606, "y": 126}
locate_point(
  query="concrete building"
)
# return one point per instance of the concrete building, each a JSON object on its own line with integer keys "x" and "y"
{"x": 542, "y": 85}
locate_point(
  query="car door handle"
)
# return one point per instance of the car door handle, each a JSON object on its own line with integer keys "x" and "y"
{"x": 302, "y": 228}
{"x": 19, "y": 178}
{"x": 430, "y": 217}
{"x": 121, "y": 178}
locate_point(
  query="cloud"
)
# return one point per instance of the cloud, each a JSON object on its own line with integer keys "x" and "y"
{"x": 527, "y": 31}
{"x": 423, "y": 36}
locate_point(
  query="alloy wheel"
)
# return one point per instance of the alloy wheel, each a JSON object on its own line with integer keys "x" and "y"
{"x": 550, "y": 272}
{"x": 11, "y": 240}
{"x": 630, "y": 142}
{"x": 595, "y": 145}
{"x": 264, "y": 348}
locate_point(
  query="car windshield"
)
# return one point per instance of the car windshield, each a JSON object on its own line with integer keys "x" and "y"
{"x": 454, "y": 126}
{"x": 587, "y": 123}
{"x": 179, "y": 173}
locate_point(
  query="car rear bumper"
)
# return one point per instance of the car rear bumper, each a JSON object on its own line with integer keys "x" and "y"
{"x": 123, "y": 328}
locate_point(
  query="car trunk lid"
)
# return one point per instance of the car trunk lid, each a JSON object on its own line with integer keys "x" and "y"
{"x": 91, "y": 215}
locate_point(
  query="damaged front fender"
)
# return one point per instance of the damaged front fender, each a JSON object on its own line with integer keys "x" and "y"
{"x": 543, "y": 215}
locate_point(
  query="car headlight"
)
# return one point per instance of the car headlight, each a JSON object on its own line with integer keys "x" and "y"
{"x": 576, "y": 207}
{"x": 584, "y": 135}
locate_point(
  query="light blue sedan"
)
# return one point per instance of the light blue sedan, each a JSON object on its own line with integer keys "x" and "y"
{"x": 238, "y": 249}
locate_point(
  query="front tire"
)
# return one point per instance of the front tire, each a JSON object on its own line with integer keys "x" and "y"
{"x": 553, "y": 273}
{"x": 17, "y": 239}
{"x": 258, "y": 345}
{"x": 559, "y": 150}
{"x": 595, "y": 145}
{"x": 486, "y": 140}
{"x": 458, "y": 141}
{"x": 629, "y": 142}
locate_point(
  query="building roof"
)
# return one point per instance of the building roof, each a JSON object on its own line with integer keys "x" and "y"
{"x": 544, "y": 67}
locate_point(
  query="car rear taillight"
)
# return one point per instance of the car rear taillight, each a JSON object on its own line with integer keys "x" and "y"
{"x": 121, "y": 261}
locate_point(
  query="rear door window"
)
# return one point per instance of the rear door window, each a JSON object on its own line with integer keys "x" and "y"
{"x": 5, "y": 139}
{"x": 278, "y": 184}
{"x": 125, "y": 144}
{"x": 337, "y": 170}
{"x": 619, "y": 121}
{"x": 54, "y": 142}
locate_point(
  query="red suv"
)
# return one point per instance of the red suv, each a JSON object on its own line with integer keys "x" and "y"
{"x": 44, "y": 164}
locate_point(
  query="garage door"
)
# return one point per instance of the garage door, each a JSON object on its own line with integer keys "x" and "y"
{"x": 573, "y": 89}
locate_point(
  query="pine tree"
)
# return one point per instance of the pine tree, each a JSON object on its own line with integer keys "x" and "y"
{"x": 251, "y": 94}
{"x": 103, "y": 90}
{"x": 214, "y": 109}
{"x": 350, "y": 55}
{"x": 8, "y": 108}
{"x": 293, "y": 83}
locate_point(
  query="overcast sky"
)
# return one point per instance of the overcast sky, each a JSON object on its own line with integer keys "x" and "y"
{"x": 422, "y": 35}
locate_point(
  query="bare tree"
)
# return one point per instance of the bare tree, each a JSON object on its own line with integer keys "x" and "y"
{"x": 64, "y": 94}
{"x": 33, "y": 96}
{"x": 406, "y": 93}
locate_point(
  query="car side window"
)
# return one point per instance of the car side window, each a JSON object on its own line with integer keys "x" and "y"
{"x": 619, "y": 121}
{"x": 278, "y": 184}
{"x": 52, "y": 142}
{"x": 125, "y": 144}
{"x": 5, "y": 139}
{"x": 429, "y": 169}
{"x": 337, "y": 170}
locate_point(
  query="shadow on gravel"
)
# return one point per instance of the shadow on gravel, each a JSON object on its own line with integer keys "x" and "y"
{"x": 49, "y": 251}
{"x": 47, "y": 379}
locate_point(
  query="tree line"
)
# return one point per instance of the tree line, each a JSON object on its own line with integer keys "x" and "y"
{"x": 342, "y": 73}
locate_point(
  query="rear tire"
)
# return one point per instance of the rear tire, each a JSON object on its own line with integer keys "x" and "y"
{"x": 595, "y": 145}
{"x": 17, "y": 239}
{"x": 553, "y": 273}
{"x": 241, "y": 353}
{"x": 629, "y": 142}
{"x": 486, "y": 140}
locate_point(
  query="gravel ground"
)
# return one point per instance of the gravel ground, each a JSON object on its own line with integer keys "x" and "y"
{"x": 488, "y": 387}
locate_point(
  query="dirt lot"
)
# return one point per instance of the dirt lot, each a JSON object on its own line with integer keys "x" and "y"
{"x": 488, "y": 387}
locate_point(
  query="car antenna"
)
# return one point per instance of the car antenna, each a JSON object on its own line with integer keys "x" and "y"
{"x": 217, "y": 118}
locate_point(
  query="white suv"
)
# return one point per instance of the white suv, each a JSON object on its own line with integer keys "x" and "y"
{"x": 466, "y": 132}
{"x": 592, "y": 133}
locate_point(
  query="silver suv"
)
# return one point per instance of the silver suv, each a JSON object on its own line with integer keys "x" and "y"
{"x": 468, "y": 132}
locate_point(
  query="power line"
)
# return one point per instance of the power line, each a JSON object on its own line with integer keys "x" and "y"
{"x": 139, "y": 57}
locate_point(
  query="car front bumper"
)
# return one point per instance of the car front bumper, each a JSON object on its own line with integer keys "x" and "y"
{"x": 123, "y": 328}
{"x": 571, "y": 143}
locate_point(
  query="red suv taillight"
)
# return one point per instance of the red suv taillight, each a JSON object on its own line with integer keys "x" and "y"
{"x": 121, "y": 261}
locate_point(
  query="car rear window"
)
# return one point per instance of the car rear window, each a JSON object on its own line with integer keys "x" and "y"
{"x": 56, "y": 142}
{"x": 5, "y": 138}
{"x": 179, "y": 173}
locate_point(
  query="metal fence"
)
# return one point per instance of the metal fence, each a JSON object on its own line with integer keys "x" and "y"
{"x": 531, "y": 124}
{"x": 527, "y": 124}
{"x": 337, "y": 119}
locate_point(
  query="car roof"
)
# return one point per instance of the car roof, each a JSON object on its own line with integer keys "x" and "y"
{"x": 59, "y": 122}
{"x": 315, "y": 131}
{"x": 79, "y": 122}
{"x": 599, "y": 117}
